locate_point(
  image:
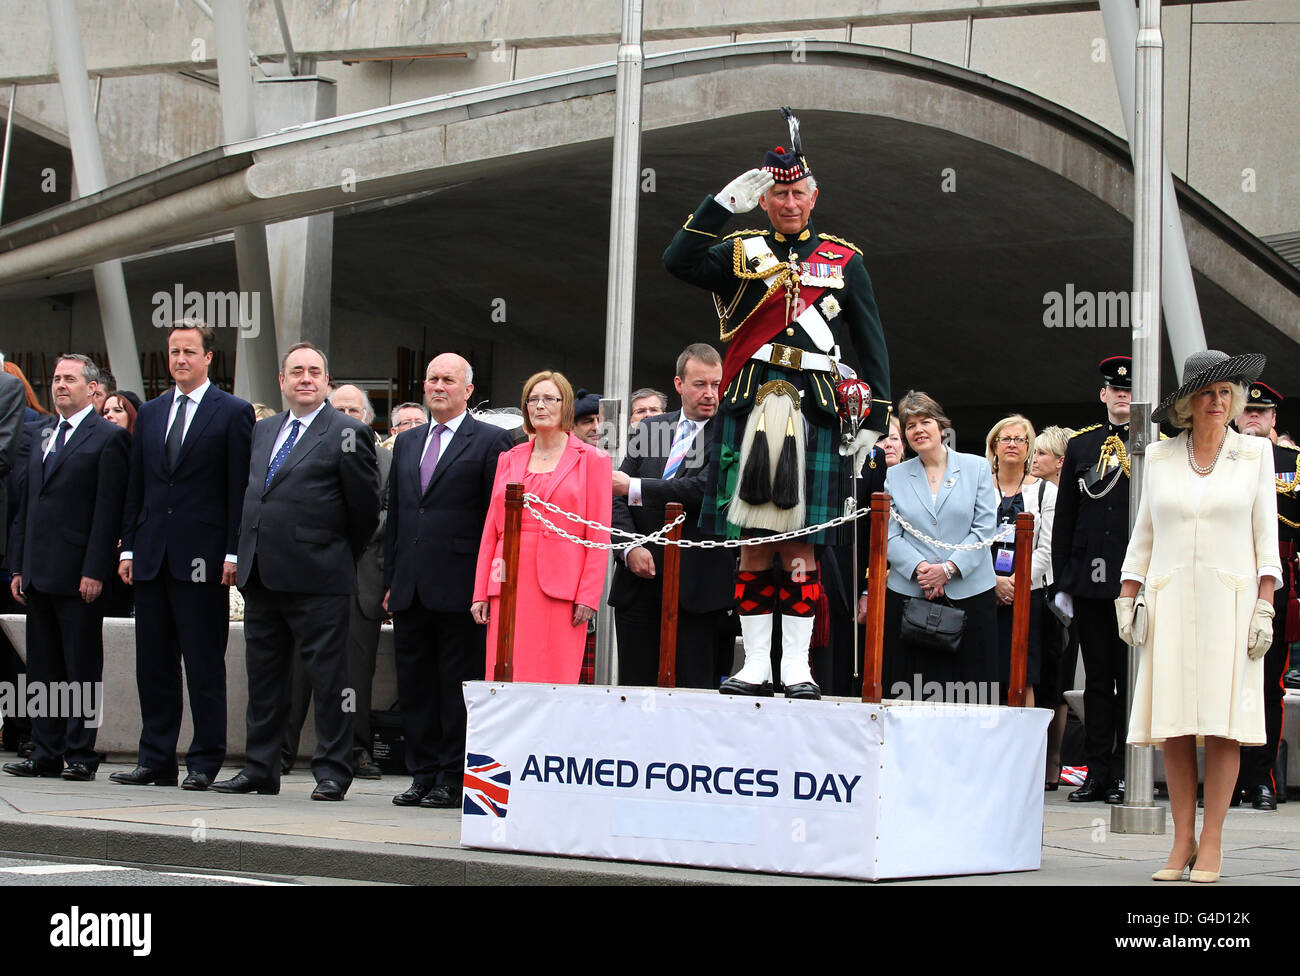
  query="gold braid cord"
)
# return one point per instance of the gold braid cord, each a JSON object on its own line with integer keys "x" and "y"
{"x": 1286, "y": 521}
{"x": 1285, "y": 487}
{"x": 1113, "y": 447}
{"x": 783, "y": 276}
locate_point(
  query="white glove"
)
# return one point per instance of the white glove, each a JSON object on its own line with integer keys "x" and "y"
{"x": 860, "y": 448}
{"x": 1131, "y": 615}
{"x": 1260, "y": 635}
{"x": 741, "y": 194}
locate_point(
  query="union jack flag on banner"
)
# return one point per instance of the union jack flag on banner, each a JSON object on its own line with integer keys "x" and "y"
{"x": 487, "y": 786}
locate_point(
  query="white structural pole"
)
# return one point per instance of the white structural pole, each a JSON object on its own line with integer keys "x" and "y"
{"x": 88, "y": 164}
{"x": 620, "y": 305}
{"x": 1139, "y": 814}
{"x": 1177, "y": 289}
{"x": 256, "y": 359}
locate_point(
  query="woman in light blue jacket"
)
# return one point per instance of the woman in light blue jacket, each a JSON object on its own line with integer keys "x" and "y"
{"x": 950, "y": 498}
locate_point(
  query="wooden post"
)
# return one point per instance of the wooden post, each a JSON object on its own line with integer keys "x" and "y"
{"x": 876, "y": 569}
{"x": 1020, "y": 608}
{"x": 505, "y": 669}
{"x": 668, "y": 609}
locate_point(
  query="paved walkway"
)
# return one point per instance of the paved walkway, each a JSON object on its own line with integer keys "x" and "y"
{"x": 367, "y": 838}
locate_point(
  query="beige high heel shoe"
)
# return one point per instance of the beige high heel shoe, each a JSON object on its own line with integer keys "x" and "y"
{"x": 1208, "y": 877}
{"x": 1176, "y": 874}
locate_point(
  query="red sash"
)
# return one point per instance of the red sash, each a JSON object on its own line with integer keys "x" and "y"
{"x": 768, "y": 320}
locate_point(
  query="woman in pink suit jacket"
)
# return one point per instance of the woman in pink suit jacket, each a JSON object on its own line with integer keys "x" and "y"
{"x": 560, "y": 582}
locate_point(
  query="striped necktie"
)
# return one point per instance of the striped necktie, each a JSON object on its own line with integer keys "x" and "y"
{"x": 681, "y": 444}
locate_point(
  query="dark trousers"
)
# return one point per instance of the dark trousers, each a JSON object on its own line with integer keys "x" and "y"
{"x": 1105, "y": 688}
{"x": 699, "y": 663}
{"x": 363, "y": 646}
{"x": 178, "y": 621}
{"x": 65, "y": 648}
{"x": 278, "y": 626}
{"x": 434, "y": 653}
{"x": 1257, "y": 761}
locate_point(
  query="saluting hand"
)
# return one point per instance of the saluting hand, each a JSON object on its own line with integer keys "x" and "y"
{"x": 741, "y": 194}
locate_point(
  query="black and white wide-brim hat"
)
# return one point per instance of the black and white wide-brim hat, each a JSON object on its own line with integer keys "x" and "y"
{"x": 1211, "y": 366}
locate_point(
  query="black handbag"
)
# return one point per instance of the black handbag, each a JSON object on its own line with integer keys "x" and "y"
{"x": 933, "y": 626}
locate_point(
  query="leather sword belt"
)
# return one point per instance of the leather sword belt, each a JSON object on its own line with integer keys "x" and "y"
{"x": 792, "y": 358}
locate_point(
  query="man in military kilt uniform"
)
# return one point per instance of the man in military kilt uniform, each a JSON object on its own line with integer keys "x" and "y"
{"x": 1089, "y": 540}
{"x": 784, "y": 296}
{"x": 1256, "y": 775}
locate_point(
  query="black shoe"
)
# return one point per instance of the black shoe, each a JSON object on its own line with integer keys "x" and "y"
{"x": 368, "y": 770}
{"x": 1263, "y": 798}
{"x": 442, "y": 797}
{"x": 733, "y": 687}
{"x": 329, "y": 789}
{"x": 1115, "y": 792}
{"x": 197, "y": 781}
{"x": 413, "y": 794}
{"x": 145, "y": 776}
{"x": 79, "y": 772}
{"x": 30, "y": 767}
{"x": 806, "y": 690}
{"x": 1093, "y": 789}
{"x": 1292, "y": 678}
{"x": 26, "y": 748}
{"x": 243, "y": 783}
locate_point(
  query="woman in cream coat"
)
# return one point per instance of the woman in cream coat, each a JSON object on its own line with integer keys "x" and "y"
{"x": 1205, "y": 545}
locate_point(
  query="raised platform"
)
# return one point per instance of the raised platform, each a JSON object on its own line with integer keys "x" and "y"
{"x": 830, "y": 788}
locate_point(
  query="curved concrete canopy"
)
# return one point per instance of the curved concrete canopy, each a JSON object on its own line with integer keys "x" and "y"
{"x": 1036, "y": 203}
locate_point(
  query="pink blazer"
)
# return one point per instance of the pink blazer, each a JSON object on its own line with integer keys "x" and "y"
{"x": 582, "y": 483}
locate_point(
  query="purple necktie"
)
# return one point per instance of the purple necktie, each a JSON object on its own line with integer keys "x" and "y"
{"x": 430, "y": 460}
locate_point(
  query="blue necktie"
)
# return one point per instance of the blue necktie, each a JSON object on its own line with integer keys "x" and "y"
{"x": 283, "y": 452}
{"x": 681, "y": 444}
{"x": 59, "y": 441}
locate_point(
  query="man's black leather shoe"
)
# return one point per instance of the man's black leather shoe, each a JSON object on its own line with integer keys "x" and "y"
{"x": 1092, "y": 790}
{"x": 413, "y": 794}
{"x": 1115, "y": 792}
{"x": 145, "y": 776}
{"x": 79, "y": 772}
{"x": 368, "y": 770}
{"x": 1263, "y": 798}
{"x": 243, "y": 783}
{"x": 442, "y": 797}
{"x": 733, "y": 687}
{"x": 30, "y": 767}
{"x": 197, "y": 781}
{"x": 329, "y": 789}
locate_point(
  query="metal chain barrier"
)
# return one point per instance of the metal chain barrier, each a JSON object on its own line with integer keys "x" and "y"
{"x": 658, "y": 536}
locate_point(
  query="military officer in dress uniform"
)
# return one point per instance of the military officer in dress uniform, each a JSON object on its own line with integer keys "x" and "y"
{"x": 784, "y": 296}
{"x": 1089, "y": 540}
{"x": 1256, "y": 775}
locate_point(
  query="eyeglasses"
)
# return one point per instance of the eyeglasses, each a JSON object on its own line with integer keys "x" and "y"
{"x": 1013, "y": 440}
{"x": 545, "y": 400}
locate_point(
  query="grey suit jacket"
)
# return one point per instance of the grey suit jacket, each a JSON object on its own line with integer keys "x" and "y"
{"x": 306, "y": 529}
{"x": 965, "y": 512}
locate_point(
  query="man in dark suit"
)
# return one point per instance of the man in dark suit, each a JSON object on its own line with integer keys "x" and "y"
{"x": 311, "y": 505}
{"x": 64, "y": 547}
{"x": 189, "y": 469}
{"x": 365, "y": 620}
{"x": 438, "y": 497}
{"x": 667, "y": 461}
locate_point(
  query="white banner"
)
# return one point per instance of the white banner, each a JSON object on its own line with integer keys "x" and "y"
{"x": 796, "y": 787}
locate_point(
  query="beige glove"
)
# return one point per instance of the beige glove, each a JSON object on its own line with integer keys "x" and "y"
{"x": 1260, "y": 635}
{"x": 1131, "y": 615}
{"x": 741, "y": 194}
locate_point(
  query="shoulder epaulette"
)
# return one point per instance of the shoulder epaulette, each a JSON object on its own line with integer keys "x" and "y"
{"x": 840, "y": 240}
{"x": 1083, "y": 430}
{"x": 747, "y": 231}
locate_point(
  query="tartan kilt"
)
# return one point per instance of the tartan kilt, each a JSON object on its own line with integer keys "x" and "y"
{"x": 826, "y": 475}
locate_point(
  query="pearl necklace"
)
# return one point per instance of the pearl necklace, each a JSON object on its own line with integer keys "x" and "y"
{"x": 1191, "y": 456}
